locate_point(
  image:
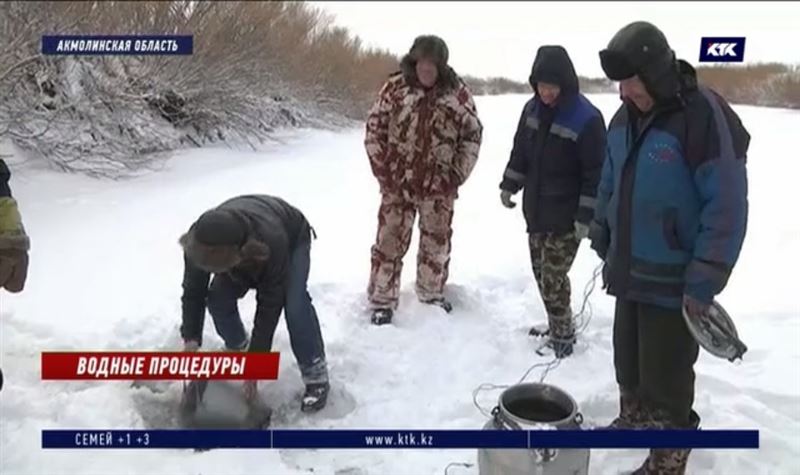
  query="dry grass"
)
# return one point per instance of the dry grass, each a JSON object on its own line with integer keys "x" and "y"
{"x": 499, "y": 85}
{"x": 766, "y": 84}
{"x": 770, "y": 85}
{"x": 256, "y": 66}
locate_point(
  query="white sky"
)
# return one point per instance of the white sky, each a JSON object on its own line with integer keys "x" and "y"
{"x": 501, "y": 38}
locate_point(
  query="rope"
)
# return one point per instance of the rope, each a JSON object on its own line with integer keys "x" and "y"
{"x": 457, "y": 464}
{"x": 581, "y": 321}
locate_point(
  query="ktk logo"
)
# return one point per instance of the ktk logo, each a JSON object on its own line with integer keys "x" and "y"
{"x": 723, "y": 50}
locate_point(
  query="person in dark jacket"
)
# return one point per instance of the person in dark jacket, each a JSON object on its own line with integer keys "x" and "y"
{"x": 557, "y": 156}
{"x": 263, "y": 243}
{"x": 669, "y": 223}
{"x": 14, "y": 242}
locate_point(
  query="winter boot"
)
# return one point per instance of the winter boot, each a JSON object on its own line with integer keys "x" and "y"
{"x": 668, "y": 461}
{"x": 664, "y": 462}
{"x": 315, "y": 397}
{"x": 382, "y": 316}
{"x": 630, "y": 411}
{"x": 562, "y": 346}
{"x": 440, "y": 302}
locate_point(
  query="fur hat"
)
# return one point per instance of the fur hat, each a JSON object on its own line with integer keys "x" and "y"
{"x": 640, "y": 48}
{"x": 430, "y": 47}
{"x": 434, "y": 48}
{"x": 218, "y": 241}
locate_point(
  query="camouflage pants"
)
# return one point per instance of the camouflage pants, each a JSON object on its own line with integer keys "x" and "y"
{"x": 551, "y": 258}
{"x": 395, "y": 225}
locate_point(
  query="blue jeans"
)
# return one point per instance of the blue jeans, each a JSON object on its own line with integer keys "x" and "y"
{"x": 301, "y": 316}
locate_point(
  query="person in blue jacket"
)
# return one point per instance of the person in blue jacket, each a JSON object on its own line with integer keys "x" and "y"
{"x": 557, "y": 155}
{"x": 669, "y": 223}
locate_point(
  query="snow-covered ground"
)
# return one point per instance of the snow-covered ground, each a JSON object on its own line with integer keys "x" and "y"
{"x": 106, "y": 269}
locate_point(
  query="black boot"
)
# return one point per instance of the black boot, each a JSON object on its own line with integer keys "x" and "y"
{"x": 539, "y": 331}
{"x": 1, "y": 379}
{"x": 382, "y": 316}
{"x": 440, "y": 302}
{"x": 315, "y": 397}
{"x": 562, "y": 346}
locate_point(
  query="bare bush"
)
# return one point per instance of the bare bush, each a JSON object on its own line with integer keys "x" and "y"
{"x": 763, "y": 84}
{"x": 785, "y": 89}
{"x": 499, "y": 85}
{"x": 767, "y": 84}
{"x": 256, "y": 66}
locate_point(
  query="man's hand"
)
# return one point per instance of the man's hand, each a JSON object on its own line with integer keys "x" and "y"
{"x": 191, "y": 345}
{"x": 599, "y": 239}
{"x": 694, "y": 308}
{"x": 250, "y": 389}
{"x": 581, "y": 231}
{"x": 505, "y": 198}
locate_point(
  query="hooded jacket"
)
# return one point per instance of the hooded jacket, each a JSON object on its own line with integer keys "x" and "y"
{"x": 558, "y": 151}
{"x": 271, "y": 230}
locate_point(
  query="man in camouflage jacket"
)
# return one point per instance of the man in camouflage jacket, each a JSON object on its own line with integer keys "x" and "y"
{"x": 422, "y": 138}
{"x": 14, "y": 242}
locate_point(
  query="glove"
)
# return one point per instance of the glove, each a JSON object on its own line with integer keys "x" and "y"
{"x": 505, "y": 198}
{"x": 191, "y": 345}
{"x": 14, "y": 246}
{"x": 250, "y": 389}
{"x": 694, "y": 308}
{"x": 599, "y": 239}
{"x": 581, "y": 231}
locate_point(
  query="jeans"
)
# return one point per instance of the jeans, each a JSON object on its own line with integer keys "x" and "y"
{"x": 301, "y": 316}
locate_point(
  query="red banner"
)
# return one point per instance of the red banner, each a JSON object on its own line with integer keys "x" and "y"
{"x": 158, "y": 365}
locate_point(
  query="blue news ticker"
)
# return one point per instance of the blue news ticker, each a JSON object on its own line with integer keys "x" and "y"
{"x": 398, "y": 439}
{"x": 91, "y": 45}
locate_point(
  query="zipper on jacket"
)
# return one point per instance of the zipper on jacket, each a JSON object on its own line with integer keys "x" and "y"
{"x": 424, "y": 118}
{"x": 540, "y": 142}
{"x": 622, "y": 265}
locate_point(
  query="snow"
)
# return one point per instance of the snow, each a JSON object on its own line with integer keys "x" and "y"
{"x": 106, "y": 268}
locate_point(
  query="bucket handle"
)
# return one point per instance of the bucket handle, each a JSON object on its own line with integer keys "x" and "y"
{"x": 545, "y": 455}
{"x": 502, "y": 422}
{"x": 578, "y": 418}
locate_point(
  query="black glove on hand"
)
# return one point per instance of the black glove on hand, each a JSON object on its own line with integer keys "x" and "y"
{"x": 505, "y": 198}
